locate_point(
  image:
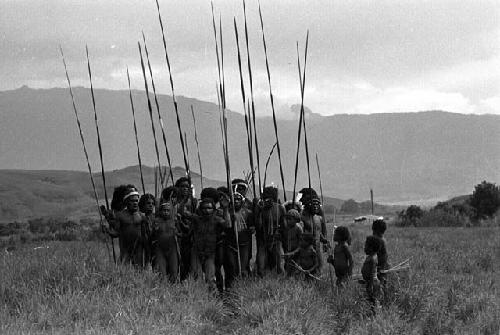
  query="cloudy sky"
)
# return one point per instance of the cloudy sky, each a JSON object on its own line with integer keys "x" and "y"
{"x": 364, "y": 56}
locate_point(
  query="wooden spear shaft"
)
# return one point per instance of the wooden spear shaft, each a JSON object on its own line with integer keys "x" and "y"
{"x": 250, "y": 78}
{"x": 135, "y": 132}
{"x": 99, "y": 143}
{"x": 248, "y": 122}
{"x": 176, "y": 108}
{"x": 150, "y": 108}
{"x": 160, "y": 119}
{"x": 275, "y": 124}
{"x": 197, "y": 146}
{"x": 302, "y": 80}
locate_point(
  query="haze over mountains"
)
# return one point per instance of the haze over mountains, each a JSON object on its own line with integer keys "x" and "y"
{"x": 403, "y": 157}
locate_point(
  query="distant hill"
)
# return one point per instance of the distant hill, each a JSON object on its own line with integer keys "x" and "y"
{"x": 404, "y": 157}
{"x": 26, "y": 194}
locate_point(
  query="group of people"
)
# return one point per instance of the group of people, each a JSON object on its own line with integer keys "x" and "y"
{"x": 213, "y": 237}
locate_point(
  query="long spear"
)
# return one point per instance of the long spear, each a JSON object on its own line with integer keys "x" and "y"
{"x": 257, "y": 155}
{"x": 99, "y": 142}
{"x": 272, "y": 104}
{"x": 160, "y": 119}
{"x": 248, "y": 121}
{"x": 84, "y": 146}
{"x": 323, "y": 212}
{"x": 220, "y": 67}
{"x": 135, "y": 131}
{"x": 150, "y": 108}
{"x": 176, "y": 108}
{"x": 267, "y": 162}
{"x": 302, "y": 79}
{"x": 197, "y": 146}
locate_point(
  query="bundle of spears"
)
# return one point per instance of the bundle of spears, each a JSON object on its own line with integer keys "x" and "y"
{"x": 248, "y": 108}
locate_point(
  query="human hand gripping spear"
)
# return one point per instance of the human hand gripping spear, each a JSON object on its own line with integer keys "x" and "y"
{"x": 99, "y": 143}
{"x": 96, "y": 197}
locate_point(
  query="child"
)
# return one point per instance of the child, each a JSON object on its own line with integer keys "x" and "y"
{"x": 342, "y": 259}
{"x": 147, "y": 203}
{"x": 206, "y": 229}
{"x": 165, "y": 246}
{"x": 378, "y": 228}
{"x": 291, "y": 239}
{"x": 369, "y": 269}
{"x": 307, "y": 256}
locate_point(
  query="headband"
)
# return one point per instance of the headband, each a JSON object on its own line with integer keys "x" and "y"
{"x": 130, "y": 194}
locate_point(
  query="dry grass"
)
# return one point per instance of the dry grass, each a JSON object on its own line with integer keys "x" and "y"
{"x": 72, "y": 287}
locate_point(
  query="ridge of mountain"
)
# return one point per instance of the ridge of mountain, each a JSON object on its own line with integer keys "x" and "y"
{"x": 403, "y": 157}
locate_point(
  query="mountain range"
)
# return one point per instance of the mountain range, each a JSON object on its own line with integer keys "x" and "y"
{"x": 403, "y": 157}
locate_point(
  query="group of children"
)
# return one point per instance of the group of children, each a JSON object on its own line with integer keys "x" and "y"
{"x": 213, "y": 236}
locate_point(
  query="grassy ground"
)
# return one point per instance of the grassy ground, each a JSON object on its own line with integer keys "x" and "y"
{"x": 73, "y": 287}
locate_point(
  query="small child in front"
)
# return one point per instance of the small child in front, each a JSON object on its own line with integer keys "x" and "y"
{"x": 369, "y": 270}
{"x": 307, "y": 257}
{"x": 342, "y": 258}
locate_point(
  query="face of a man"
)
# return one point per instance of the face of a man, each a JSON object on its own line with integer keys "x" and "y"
{"x": 238, "y": 202}
{"x": 149, "y": 206}
{"x": 206, "y": 208}
{"x": 268, "y": 202}
{"x": 133, "y": 203}
{"x": 185, "y": 189}
{"x": 241, "y": 189}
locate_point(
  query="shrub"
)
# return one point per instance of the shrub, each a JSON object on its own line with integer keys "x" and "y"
{"x": 485, "y": 200}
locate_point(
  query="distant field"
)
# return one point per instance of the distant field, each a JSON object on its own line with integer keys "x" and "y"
{"x": 73, "y": 287}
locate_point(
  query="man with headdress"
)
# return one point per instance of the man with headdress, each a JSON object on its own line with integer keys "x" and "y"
{"x": 186, "y": 207}
{"x": 128, "y": 224}
{"x": 241, "y": 186}
{"x": 269, "y": 227}
{"x": 313, "y": 220}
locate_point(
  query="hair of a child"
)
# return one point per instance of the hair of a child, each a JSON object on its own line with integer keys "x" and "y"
{"x": 144, "y": 199}
{"x": 181, "y": 180}
{"x": 210, "y": 192}
{"x": 169, "y": 192}
{"x": 379, "y": 226}
{"x": 341, "y": 234}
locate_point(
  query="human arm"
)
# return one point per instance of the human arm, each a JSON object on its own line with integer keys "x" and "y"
{"x": 350, "y": 262}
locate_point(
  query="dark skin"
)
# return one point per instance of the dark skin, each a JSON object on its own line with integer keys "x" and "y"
{"x": 149, "y": 207}
{"x": 166, "y": 248}
{"x": 128, "y": 226}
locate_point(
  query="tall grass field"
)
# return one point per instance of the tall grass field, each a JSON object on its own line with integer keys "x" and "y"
{"x": 452, "y": 287}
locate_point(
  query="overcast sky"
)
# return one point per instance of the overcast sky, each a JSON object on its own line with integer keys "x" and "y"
{"x": 364, "y": 56}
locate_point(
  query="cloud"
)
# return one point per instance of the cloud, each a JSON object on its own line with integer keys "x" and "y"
{"x": 363, "y": 55}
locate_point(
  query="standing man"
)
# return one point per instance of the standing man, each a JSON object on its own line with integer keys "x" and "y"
{"x": 270, "y": 223}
